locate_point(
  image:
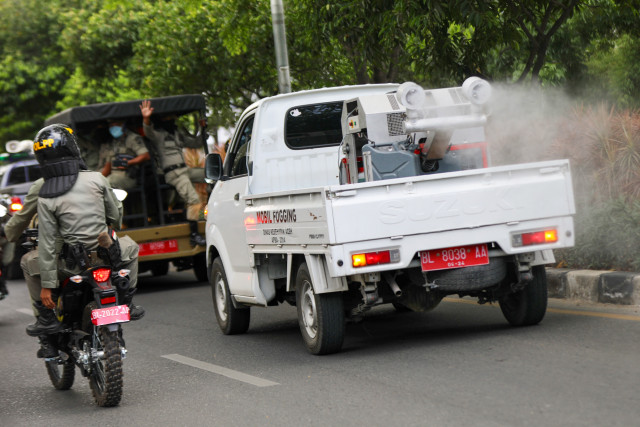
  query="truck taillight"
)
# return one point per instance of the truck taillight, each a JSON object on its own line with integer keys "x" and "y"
{"x": 375, "y": 258}
{"x": 536, "y": 237}
{"x": 101, "y": 275}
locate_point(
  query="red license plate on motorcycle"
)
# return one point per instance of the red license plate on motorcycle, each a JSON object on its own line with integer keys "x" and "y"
{"x": 460, "y": 256}
{"x": 109, "y": 315}
{"x": 161, "y": 247}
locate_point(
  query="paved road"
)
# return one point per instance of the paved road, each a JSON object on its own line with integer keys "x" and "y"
{"x": 460, "y": 364}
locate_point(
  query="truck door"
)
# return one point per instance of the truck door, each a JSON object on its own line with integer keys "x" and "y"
{"x": 230, "y": 212}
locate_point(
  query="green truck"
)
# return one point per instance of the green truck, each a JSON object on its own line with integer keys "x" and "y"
{"x": 154, "y": 215}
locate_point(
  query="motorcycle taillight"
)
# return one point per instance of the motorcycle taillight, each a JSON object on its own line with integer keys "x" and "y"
{"x": 108, "y": 300}
{"x": 101, "y": 275}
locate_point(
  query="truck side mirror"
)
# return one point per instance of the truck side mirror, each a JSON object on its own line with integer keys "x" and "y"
{"x": 212, "y": 168}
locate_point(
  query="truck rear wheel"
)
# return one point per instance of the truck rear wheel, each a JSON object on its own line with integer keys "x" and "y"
{"x": 320, "y": 316}
{"x": 529, "y": 305}
{"x": 231, "y": 320}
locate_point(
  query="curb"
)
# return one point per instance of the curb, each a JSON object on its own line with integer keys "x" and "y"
{"x": 611, "y": 287}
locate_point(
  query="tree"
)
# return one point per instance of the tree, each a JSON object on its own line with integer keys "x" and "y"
{"x": 31, "y": 70}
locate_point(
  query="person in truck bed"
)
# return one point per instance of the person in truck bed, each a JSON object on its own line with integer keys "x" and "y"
{"x": 169, "y": 143}
{"x": 120, "y": 158}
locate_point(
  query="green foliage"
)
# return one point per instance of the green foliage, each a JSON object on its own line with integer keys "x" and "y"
{"x": 57, "y": 54}
{"x": 31, "y": 72}
{"x": 607, "y": 237}
{"x": 604, "y": 148}
{"x": 615, "y": 71}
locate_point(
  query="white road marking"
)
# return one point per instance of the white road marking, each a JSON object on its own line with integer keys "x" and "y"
{"x": 26, "y": 311}
{"x": 220, "y": 370}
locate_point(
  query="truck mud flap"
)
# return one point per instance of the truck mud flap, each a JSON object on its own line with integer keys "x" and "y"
{"x": 322, "y": 281}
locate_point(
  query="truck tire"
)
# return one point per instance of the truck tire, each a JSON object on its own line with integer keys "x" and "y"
{"x": 529, "y": 305}
{"x": 470, "y": 278}
{"x": 320, "y": 316}
{"x": 231, "y": 320}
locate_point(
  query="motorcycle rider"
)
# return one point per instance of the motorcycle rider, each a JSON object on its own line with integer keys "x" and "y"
{"x": 74, "y": 206}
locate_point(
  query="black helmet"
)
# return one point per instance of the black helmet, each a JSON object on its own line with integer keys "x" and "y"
{"x": 54, "y": 143}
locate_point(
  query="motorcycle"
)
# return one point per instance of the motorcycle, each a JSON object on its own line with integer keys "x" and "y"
{"x": 91, "y": 334}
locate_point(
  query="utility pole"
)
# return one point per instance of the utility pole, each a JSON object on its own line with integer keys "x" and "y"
{"x": 280, "y": 39}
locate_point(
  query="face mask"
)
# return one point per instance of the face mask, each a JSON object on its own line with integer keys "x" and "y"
{"x": 115, "y": 131}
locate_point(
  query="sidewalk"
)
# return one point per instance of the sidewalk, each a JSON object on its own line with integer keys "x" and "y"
{"x": 613, "y": 287}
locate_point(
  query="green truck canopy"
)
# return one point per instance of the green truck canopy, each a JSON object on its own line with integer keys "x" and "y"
{"x": 128, "y": 110}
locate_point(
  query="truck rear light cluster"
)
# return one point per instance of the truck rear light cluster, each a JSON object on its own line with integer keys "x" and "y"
{"x": 535, "y": 237}
{"x": 375, "y": 258}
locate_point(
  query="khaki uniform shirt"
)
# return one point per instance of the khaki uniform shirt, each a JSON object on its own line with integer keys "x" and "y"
{"x": 130, "y": 143}
{"x": 169, "y": 146}
{"x": 78, "y": 216}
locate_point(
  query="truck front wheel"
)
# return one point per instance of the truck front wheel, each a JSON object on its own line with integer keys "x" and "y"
{"x": 529, "y": 305}
{"x": 231, "y": 320}
{"x": 320, "y": 316}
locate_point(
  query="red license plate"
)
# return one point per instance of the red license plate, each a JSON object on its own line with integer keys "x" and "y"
{"x": 161, "y": 247}
{"x": 460, "y": 256}
{"x": 109, "y": 315}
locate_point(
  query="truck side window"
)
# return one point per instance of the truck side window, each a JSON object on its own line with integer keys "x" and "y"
{"x": 315, "y": 125}
{"x": 236, "y": 161}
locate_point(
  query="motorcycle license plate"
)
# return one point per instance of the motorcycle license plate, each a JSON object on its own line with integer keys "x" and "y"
{"x": 161, "y": 247}
{"x": 460, "y": 256}
{"x": 109, "y": 315}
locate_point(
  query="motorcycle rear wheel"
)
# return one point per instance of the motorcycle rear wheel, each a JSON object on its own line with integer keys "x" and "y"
{"x": 105, "y": 380}
{"x": 61, "y": 376}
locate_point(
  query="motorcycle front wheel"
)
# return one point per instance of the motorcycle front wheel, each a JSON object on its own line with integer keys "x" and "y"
{"x": 105, "y": 379}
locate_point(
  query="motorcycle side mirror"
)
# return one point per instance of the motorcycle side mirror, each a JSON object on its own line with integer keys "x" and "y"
{"x": 212, "y": 168}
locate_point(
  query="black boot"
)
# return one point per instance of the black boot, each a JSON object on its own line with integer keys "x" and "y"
{"x": 136, "y": 312}
{"x": 196, "y": 238}
{"x": 46, "y": 322}
{"x": 46, "y": 350}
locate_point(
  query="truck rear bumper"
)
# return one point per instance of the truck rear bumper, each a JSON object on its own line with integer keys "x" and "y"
{"x": 339, "y": 257}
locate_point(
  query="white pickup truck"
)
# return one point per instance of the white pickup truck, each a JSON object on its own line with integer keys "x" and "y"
{"x": 339, "y": 199}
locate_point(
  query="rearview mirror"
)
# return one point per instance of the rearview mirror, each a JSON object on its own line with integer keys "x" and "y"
{"x": 212, "y": 168}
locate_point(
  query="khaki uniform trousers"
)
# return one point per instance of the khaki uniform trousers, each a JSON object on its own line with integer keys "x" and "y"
{"x": 119, "y": 179}
{"x": 181, "y": 181}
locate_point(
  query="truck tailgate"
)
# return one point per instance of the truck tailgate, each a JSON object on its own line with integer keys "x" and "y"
{"x": 451, "y": 201}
